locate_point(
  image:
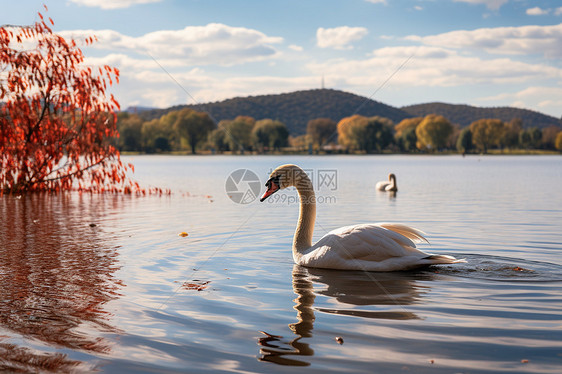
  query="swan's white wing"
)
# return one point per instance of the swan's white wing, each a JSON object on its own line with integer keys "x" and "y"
{"x": 351, "y": 247}
{"x": 411, "y": 233}
{"x": 381, "y": 186}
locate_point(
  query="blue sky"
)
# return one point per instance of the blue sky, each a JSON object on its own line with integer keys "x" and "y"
{"x": 400, "y": 52}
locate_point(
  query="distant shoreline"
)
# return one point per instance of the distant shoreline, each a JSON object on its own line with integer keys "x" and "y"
{"x": 494, "y": 152}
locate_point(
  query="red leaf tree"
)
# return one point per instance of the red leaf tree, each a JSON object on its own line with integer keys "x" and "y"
{"x": 57, "y": 120}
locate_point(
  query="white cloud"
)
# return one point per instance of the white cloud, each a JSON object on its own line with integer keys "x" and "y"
{"x": 542, "y": 98}
{"x": 376, "y": 1}
{"x": 296, "y": 48}
{"x": 544, "y": 40}
{"x": 431, "y": 67}
{"x": 147, "y": 61}
{"x": 490, "y": 4}
{"x": 425, "y": 68}
{"x": 536, "y": 11}
{"x": 158, "y": 97}
{"x": 120, "y": 61}
{"x": 112, "y": 4}
{"x": 339, "y": 37}
{"x": 558, "y": 11}
{"x": 211, "y": 44}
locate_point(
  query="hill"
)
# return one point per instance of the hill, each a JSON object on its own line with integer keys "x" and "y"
{"x": 464, "y": 115}
{"x": 294, "y": 109}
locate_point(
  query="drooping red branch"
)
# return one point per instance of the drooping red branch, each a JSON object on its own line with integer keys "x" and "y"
{"x": 57, "y": 118}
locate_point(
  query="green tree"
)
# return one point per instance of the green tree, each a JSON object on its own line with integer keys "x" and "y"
{"x": 433, "y": 132}
{"x": 486, "y": 133}
{"x": 464, "y": 141}
{"x": 321, "y": 131}
{"x": 524, "y": 139}
{"x": 238, "y": 133}
{"x": 161, "y": 144}
{"x": 269, "y": 134}
{"x": 407, "y": 140}
{"x": 158, "y": 136}
{"x": 130, "y": 132}
{"x": 193, "y": 126}
{"x": 530, "y": 138}
{"x": 405, "y": 133}
{"x": 218, "y": 140}
{"x": 536, "y": 137}
{"x": 166, "y": 124}
{"x": 376, "y": 134}
{"x": 510, "y": 137}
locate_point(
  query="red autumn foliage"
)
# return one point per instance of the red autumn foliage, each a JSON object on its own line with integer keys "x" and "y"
{"x": 57, "y": 120}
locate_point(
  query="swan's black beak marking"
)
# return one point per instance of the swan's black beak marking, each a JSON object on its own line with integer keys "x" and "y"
{"x": 272, "y": 187}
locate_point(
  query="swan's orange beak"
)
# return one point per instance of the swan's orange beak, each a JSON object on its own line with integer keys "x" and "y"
{"x": 272, "y": 187}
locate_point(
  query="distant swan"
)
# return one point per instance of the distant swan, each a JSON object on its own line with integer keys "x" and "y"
{"x": 370, "y": 247}
{"x": 389, "y": 185}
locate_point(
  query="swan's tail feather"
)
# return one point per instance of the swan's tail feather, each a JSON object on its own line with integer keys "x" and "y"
{"x": 443, "y": 259}
{"x": 411, "y": 233}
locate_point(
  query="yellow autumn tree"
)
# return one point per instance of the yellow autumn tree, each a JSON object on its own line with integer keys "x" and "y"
{"x": 558, "y": 141}
{"x": 347, "y": 130}
{"x": 487, "y": 132}
{"x": 407, "y": 124}
{"x": 433, "y": 132}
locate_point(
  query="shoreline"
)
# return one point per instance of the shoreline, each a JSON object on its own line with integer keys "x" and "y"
{"x": 534, "y": 152}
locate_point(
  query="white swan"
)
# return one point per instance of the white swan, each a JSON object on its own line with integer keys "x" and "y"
{"x": 389, "y": 185}
{"x": 370, "y": 247}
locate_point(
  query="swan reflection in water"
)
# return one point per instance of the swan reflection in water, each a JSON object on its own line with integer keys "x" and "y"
{"x": 56, "y": 275}
{"x": 357, "y": 294}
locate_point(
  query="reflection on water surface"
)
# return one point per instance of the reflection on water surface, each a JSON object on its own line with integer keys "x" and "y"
{"x": 388, "y": 293}
{"x": 56, "y": 274}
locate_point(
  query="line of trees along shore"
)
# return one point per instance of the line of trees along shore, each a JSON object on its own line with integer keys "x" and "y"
{"x": 188, "y": 130}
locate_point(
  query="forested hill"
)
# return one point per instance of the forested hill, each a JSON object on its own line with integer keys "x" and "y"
{"x": 466, "y": 114}
{"x": 294, "y": 109}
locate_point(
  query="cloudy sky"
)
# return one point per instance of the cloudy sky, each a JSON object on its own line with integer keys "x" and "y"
{"x": 400, "y": 52}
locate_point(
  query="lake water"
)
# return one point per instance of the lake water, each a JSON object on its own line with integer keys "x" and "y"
{"x": 104, "y": 283}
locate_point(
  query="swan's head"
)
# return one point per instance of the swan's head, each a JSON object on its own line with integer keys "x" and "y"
{"x": 391, "y": 176}
{"x": 285, "y": 176}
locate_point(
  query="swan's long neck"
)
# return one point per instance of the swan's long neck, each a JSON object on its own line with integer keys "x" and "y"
{"x": 307, "y": 216}
{"x": 393, "y": 182}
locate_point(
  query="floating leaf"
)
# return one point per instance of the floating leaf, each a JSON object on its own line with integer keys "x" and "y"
{"x": 196, "y": 285}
